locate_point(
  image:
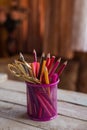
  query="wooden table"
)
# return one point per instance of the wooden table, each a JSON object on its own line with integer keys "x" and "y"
{"x": 72, "y": 109}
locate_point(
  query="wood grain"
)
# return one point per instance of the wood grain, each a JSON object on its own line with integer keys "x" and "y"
{"x": 72, "y": 112}
{"x": 8, "y": 124}
{"x": 18, "y": 113}
{"x": 73, "y": 97}
{"x": 66, "y": 106}
{"x": 63, "y": 95}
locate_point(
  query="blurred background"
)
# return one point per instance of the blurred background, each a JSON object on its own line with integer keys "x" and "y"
{"x": 55, "y": 26}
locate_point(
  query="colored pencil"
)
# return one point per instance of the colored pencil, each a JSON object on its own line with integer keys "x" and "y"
{"x": 48, "y": 60}
{"x": 23, "y": 60}
{"x": 54, "y": 78}
{"x": 54, "y": 67}
{"x": 34, "y": 68}
{"x": 51, "y": 63}
{"x": 21, "y": 57}
{"x": 62, "y": 67}
{"x": 49, "y": 106}
{"x": 43, "y": 105}
{"x": 46, "y": 77}
{"x": 26, "y": 66}
{"x": 42, "y": 70}
{"x": 41, "y": 63}
{"x": 37, "y": 68}
{"x": 35, "y": 55}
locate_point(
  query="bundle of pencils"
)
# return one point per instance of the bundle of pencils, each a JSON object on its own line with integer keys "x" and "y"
{"x": 41, "y": 73}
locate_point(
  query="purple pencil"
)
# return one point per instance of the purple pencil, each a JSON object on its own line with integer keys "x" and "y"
{"x": 54, "y": 67}
{"x": 62, "y": 67}
{"x": 35, "y": 55}
{"x": 54, "y": 78}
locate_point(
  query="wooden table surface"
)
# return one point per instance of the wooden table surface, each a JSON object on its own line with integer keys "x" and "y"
{"x": 72, "y": 110}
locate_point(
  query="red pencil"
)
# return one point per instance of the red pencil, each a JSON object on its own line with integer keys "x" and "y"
{"x": 51, "y": 62}
{"x": 48, "y": 60}
{"x": 62, "y": 67}
{"x": 54, "y": 67}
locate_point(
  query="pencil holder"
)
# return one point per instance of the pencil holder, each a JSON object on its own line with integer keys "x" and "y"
{"x": 42, "y": 101}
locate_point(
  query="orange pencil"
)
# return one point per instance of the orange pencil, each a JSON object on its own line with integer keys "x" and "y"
{"x": 34, "y": 68}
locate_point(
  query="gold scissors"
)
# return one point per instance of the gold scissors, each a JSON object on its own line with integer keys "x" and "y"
{"x": 18, "y": 70}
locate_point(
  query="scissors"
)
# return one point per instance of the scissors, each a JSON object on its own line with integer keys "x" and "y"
{"x": 18, "y": 70}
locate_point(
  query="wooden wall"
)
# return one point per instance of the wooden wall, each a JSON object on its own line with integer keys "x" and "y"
{"x": 30, "y": 28}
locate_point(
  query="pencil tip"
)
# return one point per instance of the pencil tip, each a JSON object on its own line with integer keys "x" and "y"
{"x": 65, "y": 63}
{"x": 59, "y": 59}
{"x": 48, "y": 55}
{"x": 21, "y": 55}
{"x": 43, "y": 54}
{"x": 53, "y": 56}
{"x": 34, "y": 51}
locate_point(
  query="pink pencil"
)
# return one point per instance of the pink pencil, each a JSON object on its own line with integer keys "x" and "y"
{"x": 54, "y": 67}
{"x": 49, "y": 106}
{"x": 51, "y": 62}
{"x": 48, "y": 60}
{"x": 62, "y": 67}
{"x": 43, "y": 105}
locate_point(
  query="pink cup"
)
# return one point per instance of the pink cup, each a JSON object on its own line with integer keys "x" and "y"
{"x": 42, "y": 101}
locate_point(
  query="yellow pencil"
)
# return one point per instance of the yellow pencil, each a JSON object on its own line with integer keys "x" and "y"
{"x": 46, "y": 77}
{"x": 42, "y": 69}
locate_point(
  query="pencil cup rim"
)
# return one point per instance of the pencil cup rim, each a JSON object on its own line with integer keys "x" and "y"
{"x": 43, "y": 85}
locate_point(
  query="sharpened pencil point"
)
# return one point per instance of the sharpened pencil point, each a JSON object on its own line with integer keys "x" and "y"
{"x": 43, "y": 54}
{"x": 65, "y": 63}
{"x": 35, "y": 55}
{"x": 59, "y": 60}
{"x": 21, "y": 56}
{"x": 53, "y": 56}
{"x": 48, "y": 55}
{"x": 34, "y": 51}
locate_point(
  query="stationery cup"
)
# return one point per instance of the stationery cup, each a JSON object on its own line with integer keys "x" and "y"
{"x": 42, "y": 101}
